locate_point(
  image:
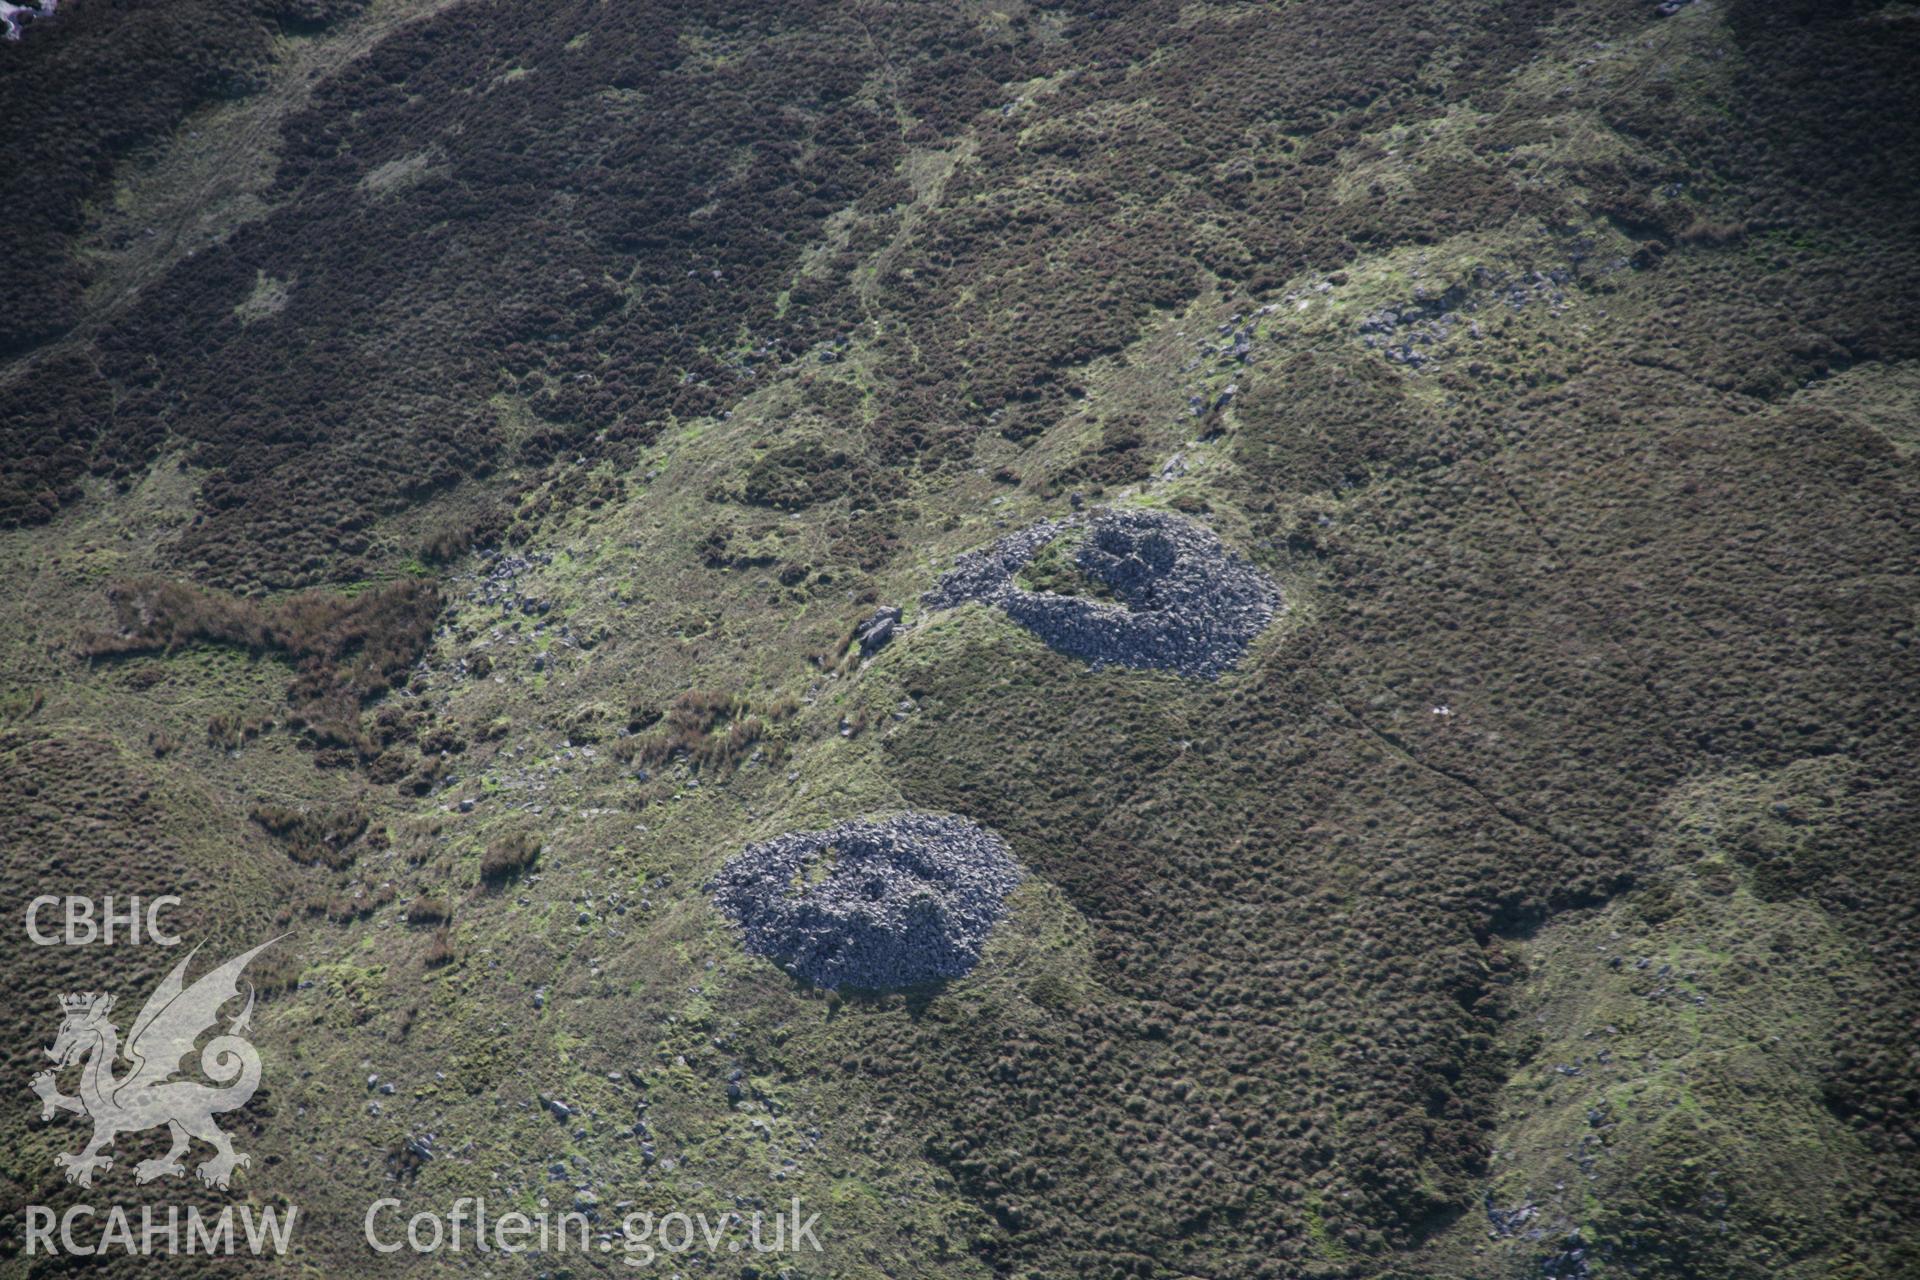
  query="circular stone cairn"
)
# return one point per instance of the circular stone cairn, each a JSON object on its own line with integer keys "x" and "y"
{"x": 1188, "y": 604}
{"x": 874, "y": 904}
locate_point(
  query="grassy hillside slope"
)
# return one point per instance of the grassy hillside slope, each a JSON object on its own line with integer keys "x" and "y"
{"x": 448, "y": 546}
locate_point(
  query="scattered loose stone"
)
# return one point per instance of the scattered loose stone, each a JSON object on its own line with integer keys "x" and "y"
{"x": 877, "y": 904}
{"x": 1189, "y": 605}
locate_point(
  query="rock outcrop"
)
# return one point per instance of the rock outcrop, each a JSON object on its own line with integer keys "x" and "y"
{"x": 873, "y": 904}
{"x": 875, "y": 632}
{"x": 1186, "y": 604}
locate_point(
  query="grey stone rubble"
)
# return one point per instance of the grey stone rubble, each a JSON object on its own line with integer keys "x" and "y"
{"x": 873, "y": 904}
{"x": 1189, "y": 605}
{"x": 497, "y": 581}
{"x": 1424, "y": 328}
{"x": 1508, "y": 1222}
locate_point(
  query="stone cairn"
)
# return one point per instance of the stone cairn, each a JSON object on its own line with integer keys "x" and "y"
{"x": 874, "y": 904}
{"x": 1188, "y": 605}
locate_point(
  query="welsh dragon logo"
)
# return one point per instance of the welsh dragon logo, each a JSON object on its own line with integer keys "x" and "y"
{"x": 148, "y": 1095}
